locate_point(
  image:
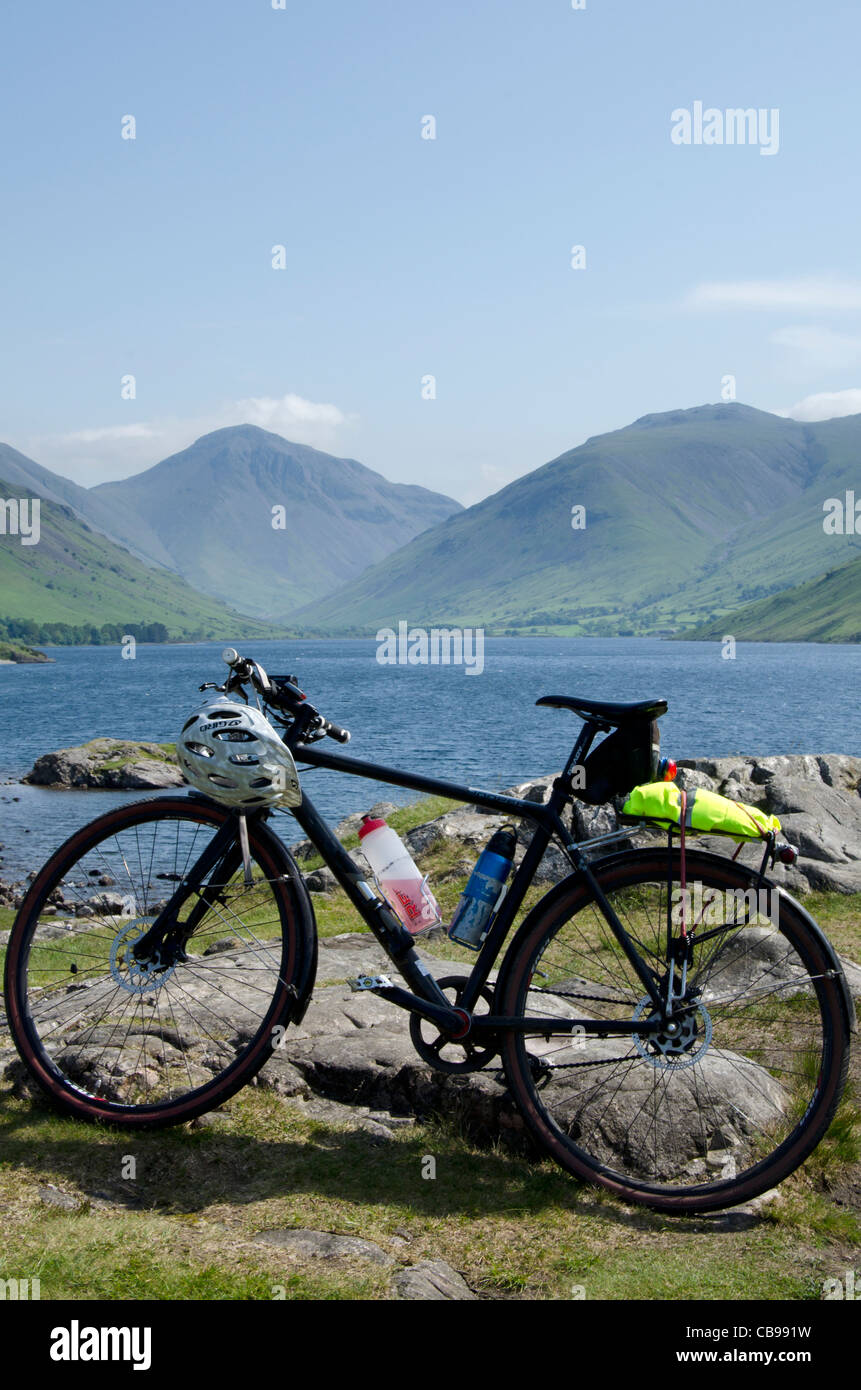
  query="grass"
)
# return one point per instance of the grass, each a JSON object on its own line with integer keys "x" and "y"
{"x": 129, "y": 752}
{"x": 184, "y": 1227}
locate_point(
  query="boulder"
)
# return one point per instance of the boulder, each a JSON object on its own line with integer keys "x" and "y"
{"x": 108, "y": 763}
{"x": 350, "y": 825}
{"x": 431, "y": 1280}
{"x": 324, "y": 1245}
{"x": 321, "y": 881}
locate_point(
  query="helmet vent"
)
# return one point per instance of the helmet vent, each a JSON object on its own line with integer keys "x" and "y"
{"x": 200, "y": 749}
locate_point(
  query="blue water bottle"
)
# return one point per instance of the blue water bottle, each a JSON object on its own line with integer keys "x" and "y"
{"x": 484, "y": 889}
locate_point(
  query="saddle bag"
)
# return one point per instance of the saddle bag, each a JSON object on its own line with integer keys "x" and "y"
{"x": 626, "y": 757}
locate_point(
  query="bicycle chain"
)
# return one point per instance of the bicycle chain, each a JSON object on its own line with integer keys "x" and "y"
{"x": 592, "y": 998}
{"x": 566, "y": 1066}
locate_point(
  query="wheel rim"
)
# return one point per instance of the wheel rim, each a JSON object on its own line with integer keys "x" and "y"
{"x": 648, "y": 1117}
{"x": 118, "y": 1036}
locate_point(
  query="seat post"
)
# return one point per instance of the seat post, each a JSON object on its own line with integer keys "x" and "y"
{"x": 584, "y": 742}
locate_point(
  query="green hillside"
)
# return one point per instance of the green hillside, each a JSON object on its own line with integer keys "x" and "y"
{"x": 827, "y": 609}
{"x": 75, "y": 575}
{"x": 688, "y": 513}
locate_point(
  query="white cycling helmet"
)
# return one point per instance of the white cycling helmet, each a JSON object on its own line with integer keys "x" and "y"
{"x": 231, "y": 753}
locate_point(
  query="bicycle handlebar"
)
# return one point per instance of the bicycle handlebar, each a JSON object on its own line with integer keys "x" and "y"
{"x": 284, "y": 694}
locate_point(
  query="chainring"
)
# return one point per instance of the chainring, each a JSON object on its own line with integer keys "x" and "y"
{"x": 430, "y": 1048}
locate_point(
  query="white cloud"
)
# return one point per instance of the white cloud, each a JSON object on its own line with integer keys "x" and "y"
{"x": 111, "y": 433}
{"x": 105, "y": 452}
{"x": 810, "y": 294}
{"x": 827, "y": 405}
{"x": 820, "y": 347}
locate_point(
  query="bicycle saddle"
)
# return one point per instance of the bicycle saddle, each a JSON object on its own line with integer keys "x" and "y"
{"x": 611, "y": 713}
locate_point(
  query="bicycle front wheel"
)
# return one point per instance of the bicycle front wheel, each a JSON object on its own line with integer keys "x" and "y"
{"x": 109, "y": 1039}
{"x": 729, "y": 1100}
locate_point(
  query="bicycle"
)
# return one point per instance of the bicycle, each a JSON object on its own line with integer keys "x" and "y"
{"x": 686, "y": 1070}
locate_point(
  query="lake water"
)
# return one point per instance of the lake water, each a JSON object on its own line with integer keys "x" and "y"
{"x": 478, "y": 729}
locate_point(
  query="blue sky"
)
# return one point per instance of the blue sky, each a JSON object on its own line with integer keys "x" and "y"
{"x": 405, "y": 256}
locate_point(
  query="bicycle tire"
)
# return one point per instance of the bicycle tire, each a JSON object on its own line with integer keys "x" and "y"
{"x": 726, "y": 1111}
{"x": 105, "y": 1041}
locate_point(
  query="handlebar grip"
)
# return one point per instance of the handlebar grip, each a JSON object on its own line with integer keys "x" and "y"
{"x": 336, "y": 732}
{"x": 230, "y": 656}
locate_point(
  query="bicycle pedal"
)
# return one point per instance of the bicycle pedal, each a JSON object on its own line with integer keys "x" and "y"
{"x": 369, "y": 982}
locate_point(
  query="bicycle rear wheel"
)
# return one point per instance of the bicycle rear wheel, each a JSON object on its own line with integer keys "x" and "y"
{"x": 715, "y": 1110}
{"x": 111, "y": 1040}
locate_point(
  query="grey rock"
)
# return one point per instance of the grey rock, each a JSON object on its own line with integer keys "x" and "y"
{"x": 431, "y": 1280}
{"x": 538, "y": 789}
{"x": 853, "y": 976}
{"x": 471, "y": 829}
{"x": 351, "y": 825}
{"x": 757, "y": 958}
{"x": 693, "y": 777}
{"x": 321, "y": 881}
{"x": 303, "y": 849}
{"x": 53, "y": 1197}
{"x": 281, "y": 1076}
{"x": 841, "y": 772}
{"x": 227, "y": 943}
{"x": 324, "y": 1245}
{"x": 424, "y": 838}
{"x": 142, "y": 766}
{"x": 101, "y": 905}
{"x": 817, "y": 801}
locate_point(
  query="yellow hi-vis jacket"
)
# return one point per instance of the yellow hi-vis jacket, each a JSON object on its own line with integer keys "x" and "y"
{"x": 706, "y": 811}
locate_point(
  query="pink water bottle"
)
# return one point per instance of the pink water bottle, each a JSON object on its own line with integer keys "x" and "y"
{"x": 400, "y": 879}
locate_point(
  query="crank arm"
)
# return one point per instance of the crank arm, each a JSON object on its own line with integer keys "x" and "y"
{"x": 447, "y": 1020}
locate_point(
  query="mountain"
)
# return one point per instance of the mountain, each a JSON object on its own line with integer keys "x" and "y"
{"x": 826, "y": 609}
{"x": 207, "y": 513}
{"x": 24, "y": 475}
{"x": 76, "y": 576}
{"x": 686, "y": 513}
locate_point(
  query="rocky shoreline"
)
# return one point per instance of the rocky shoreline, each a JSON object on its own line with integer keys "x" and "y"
{"x": 817, "y": 798}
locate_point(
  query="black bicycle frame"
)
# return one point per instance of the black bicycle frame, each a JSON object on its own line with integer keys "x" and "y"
{"x": 428, "y": 999}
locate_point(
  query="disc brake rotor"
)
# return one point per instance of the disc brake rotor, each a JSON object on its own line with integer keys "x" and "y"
{"x": 137, "y": 977}
{"x": 670, "y": 1050}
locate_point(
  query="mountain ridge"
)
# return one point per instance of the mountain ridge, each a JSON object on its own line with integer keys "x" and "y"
{"x": 687, "y": 512}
